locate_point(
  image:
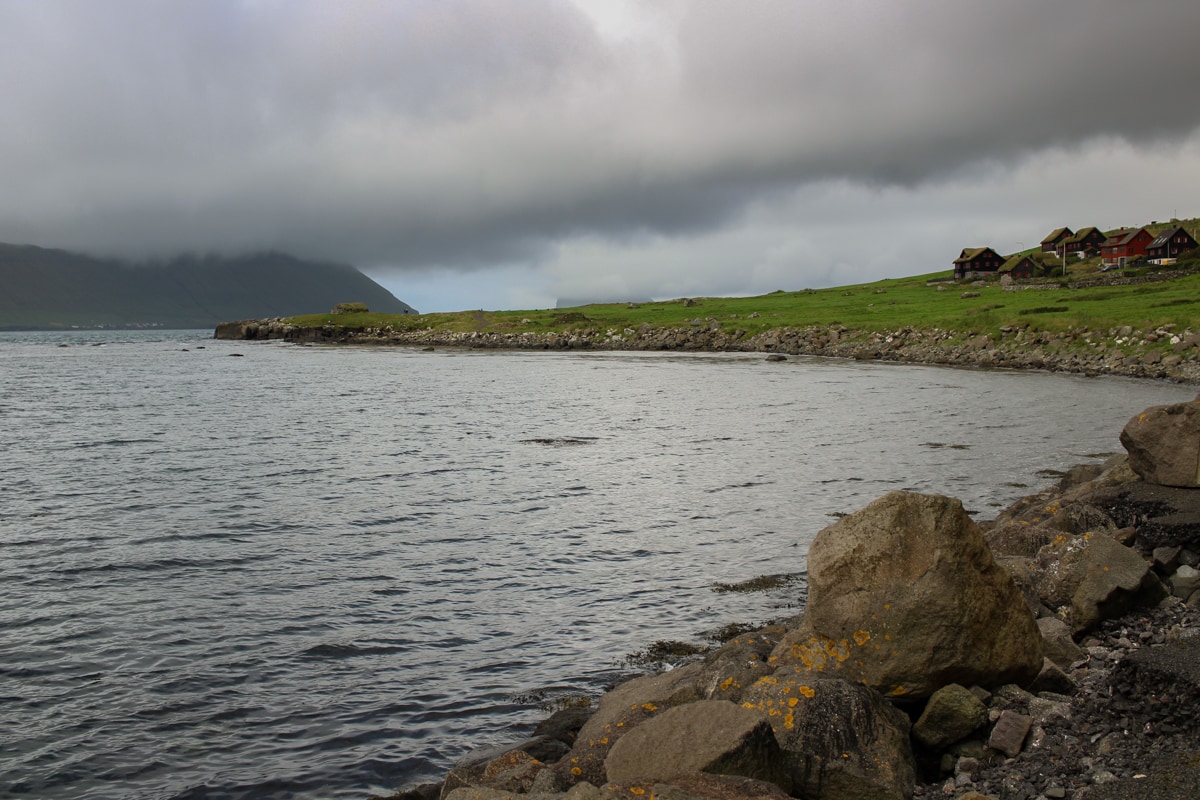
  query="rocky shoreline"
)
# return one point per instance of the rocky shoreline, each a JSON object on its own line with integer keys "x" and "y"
{"x": 1161, "y": 353}
{"x": 1053, "y": 652}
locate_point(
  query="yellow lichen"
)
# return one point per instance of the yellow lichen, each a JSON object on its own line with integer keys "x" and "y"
{"x": 861, "y": 637}
{"x": 807, "y": 691}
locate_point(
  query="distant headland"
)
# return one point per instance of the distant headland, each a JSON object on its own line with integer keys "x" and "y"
{"x": 47, "y": 289}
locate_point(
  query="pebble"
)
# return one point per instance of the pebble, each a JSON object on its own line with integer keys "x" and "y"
{"x": 1093, "y": 737}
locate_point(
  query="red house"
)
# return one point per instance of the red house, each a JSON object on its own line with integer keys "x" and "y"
{"x": 1087, "y": 242}
{"x": 1053, "y": 242}
{"x": 1125, "y": 245}
{"x": 1170, "y": 243}
{"x": 977, "y": 259}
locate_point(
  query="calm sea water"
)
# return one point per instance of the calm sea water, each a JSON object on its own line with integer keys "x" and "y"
{"x": 252, "y": 570}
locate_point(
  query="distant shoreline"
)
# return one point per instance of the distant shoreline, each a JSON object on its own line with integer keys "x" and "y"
{"x": 1013, "y": 350}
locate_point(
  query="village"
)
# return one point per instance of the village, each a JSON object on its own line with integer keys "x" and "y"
{"x": 1090, "y": 249}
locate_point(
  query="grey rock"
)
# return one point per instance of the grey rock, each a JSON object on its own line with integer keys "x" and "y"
{"x": 951, "y": 714}
{"x": 1163, "y": 443}
{"x": 842, "y": 739}
{"x": 905, "y": 596}
{"x": 1093, "y": 577}
{"x": 1019, "y": 539}
{"x": 1079, "y": 518}
{"x": 1185, "y": 581}
{"x": 1057, "y": 643}
{"x": 1165, "y": 559}
{"x": 734, "y": 667}
{"x": 702, "y": 786}
{"x": 1008, "y": 736}
{"x": 1052, "y": 678}
{"x": 618, "y": 712}
{"x": 706, "y": 736}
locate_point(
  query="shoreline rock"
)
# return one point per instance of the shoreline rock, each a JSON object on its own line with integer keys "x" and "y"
{"x": 1109, "y": 623}
{"x": 1081, "y": 352}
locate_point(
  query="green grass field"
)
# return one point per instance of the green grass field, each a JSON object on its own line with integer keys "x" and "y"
{"x": 914, "y": 302}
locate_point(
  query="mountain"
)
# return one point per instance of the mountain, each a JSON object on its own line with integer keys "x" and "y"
{"x": 42, "y": 288}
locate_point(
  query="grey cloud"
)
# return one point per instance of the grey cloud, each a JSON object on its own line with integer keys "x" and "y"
{"x": 463, "y": 134}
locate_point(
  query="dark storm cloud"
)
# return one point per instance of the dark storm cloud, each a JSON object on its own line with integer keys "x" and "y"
{"x": 479, "y": 132}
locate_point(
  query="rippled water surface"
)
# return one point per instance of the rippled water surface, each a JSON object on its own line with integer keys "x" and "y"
{"x": 259, "y": 570}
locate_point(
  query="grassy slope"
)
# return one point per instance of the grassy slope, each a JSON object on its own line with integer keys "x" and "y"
{"x": 884, "y": 305}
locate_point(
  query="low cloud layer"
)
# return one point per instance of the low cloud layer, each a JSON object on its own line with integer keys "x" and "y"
{"x": 536, "y": 149}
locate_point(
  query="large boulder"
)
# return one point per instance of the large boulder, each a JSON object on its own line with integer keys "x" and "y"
{"x": 844, "y": 741}
{"x": 723, "y": 675}
{"x": 620, "y": 710}
{"x": 906, "y": 597}
{"x": 1163, "y": 443}
{"x": 707, "y": 736}
{"x": 1093, "y": 577}
{"x": 700, "y": 786}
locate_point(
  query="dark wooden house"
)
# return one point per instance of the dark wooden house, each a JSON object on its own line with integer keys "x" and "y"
{"x": 1019, "y": 267}
{"x": 1170, "y": 243}
{"x": 1086, "y": 242}
{"x": 1126, "y": 244}
{"x": 977, "y": 259}
{"x": 1053, "y": 242}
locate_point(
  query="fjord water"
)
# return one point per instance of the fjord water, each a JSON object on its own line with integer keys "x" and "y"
{"x": 260, "y": 570}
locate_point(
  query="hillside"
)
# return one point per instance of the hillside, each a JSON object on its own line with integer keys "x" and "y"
{"x": 1139, "y": 321}
{"x": 52, "y": 289}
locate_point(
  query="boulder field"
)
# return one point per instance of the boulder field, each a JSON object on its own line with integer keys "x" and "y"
{"x": 1053, "y": 652}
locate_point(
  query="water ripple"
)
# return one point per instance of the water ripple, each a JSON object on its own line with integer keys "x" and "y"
{"x": 322, "y": 572}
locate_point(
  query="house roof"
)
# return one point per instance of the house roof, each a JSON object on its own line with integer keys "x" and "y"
{"x": 970, "y": 254}
{"x": 1014, "y": 261}
{"x": 1164, "y": 237}
{"x": 1084, "y": 233}
{"x": 1123, "y": 236}
{"x": 1056, "y": 233}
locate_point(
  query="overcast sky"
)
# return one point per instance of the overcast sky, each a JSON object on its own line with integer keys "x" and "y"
{"x": 511, "y": 153}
